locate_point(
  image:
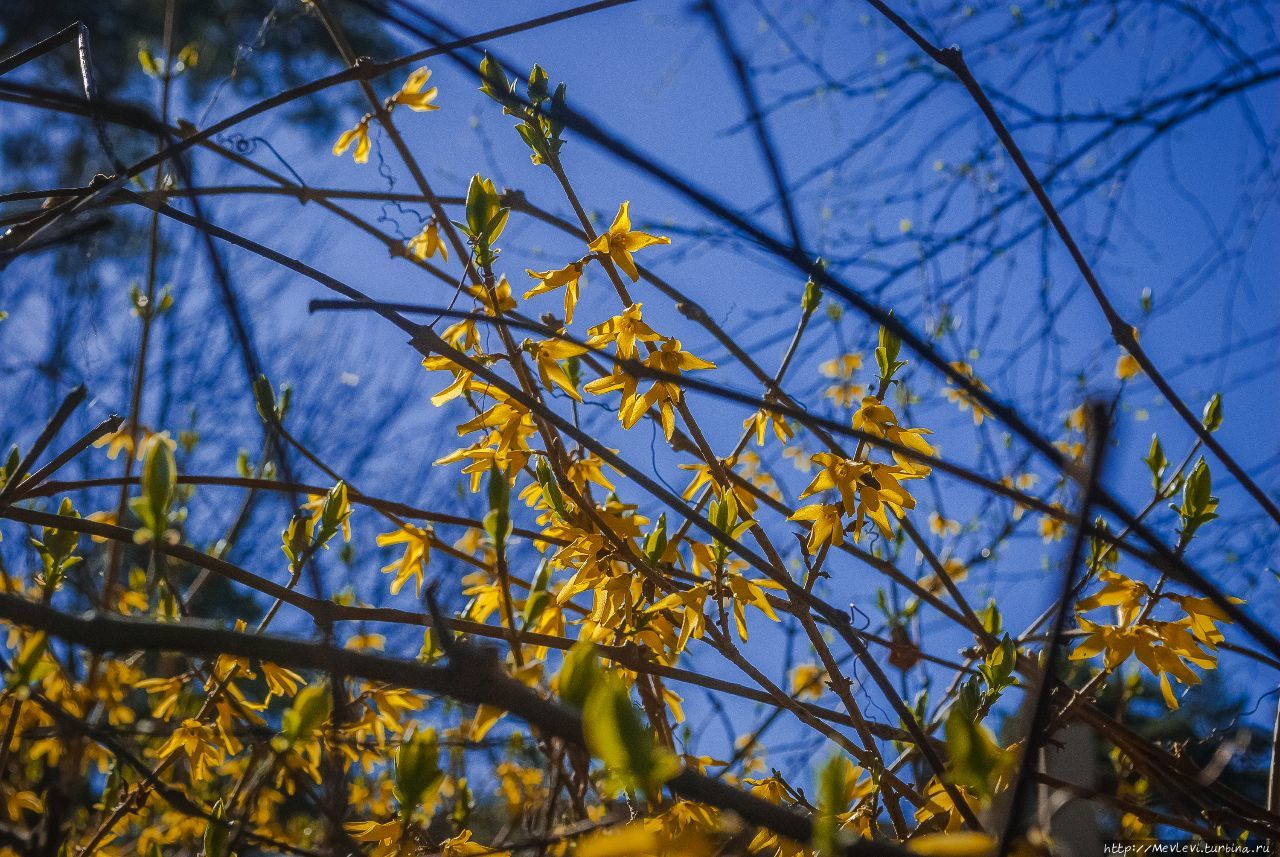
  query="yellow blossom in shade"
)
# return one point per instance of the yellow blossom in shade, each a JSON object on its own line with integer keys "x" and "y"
{"x": 195, "y": 740}
{"x": 463, "y": 846}
{"x": 413, "y": 96}
{"x": 687, "y": 604}
{"x": 363, "y": 642}
{"x": 624, "y": 331}
{"x": 620, "y": 242}
{"x": 962, "y": 398}
{"x": 548, "y": 354}
{"x": 958, "y": 843}
{"x": 386, "y": 835}
{"x": 358, "y": 135}
{"x": 280, "y": 681}
{"x": 417, "y": 553}
{"x": 427, "y": 243}
{"x": 566, "y": 278}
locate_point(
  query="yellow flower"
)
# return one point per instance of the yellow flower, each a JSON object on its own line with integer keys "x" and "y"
{"x": 462, "y": 846}
{"x": 669, "y": 359}
{"x": 624, "y": 331}
{"x": 547, "y": 355}
{"x": 195, "y": 739}
{"x": 941, "y": 526}
{"x": 358, "y": 135}
{"x": 566, "y": 277}
{"x": 842, "y": 367}
{"x": 827, "y": 525}
{"x": 844, "y": 392}
{"x": 867, "y": 489}
{"x": 417, "y": 553}
{"x": 427, "y": 243}
{"x": 1052, "y": 529}
{"x": 688, "y": 605}
{"x": 1127, "y": 367}
{"x": 411, "y": 95}
{"x": 501, "y": 292}
{"x": 808, "y": 681}
{"x": 760, "y": 421}
{"x": 620, "y": 242}
{"x": 962, "y": 398}
{"x": 280, "y": 681}
{"x": 750, "y": 592}
{"x": 362, "y": 642}
{"x": 877, "y": 419}
{"x": 386, "y": 834}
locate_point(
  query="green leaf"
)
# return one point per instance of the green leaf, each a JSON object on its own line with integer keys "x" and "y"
{"x": 539, "y": 597}
{"x": 616, "y": 735}
{"x": 158, "y": 481}
{"x": 497, "y": 523}
{"x": 1156, "y": 461}
{"x": 975, "y": 756}
{"x": 831, "y": 802}
{"x": 311, "y": 707}
{"x": 265, "y": 398}
{"x": 418, "y": 772}
{"x": 579, "y": 674}
{"x": 655, "y": 544}
{"x": 1199, "y": 506}
{"x": 887, "y": 354}
{"x": 1212, "y": 415}
{"x": 216, "y": 833}
{"x": 494, "y": 83}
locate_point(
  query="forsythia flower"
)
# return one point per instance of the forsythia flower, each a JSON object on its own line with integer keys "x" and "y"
{"x": 808, "y": 681}
{"x": 462, "y": 846}
{"x": 358, "y": 135}
{"x": 417, "y": 553}
{"x": 1127, "y": 367}
{"x": 844, "y": 392}
{"x": 624, "y": 331}
{"x": 827, "y": 524}
{"x": 547, "y": 355}
{"x": 427, "y": 243}
{"x": 194, "y": 739}
{"x": 876, "y": 418}
{"x": 411, "y": 95}
{"x": 620, "y": 242}
{"x": 566, "y": 277}
{"x": 501, "y": 295}
{"x": 941, "y": 526}
{"x": 280, "y": 681}
{"x": 962, "y": 398}
{"x": 669, "y": 359}
{"x": 1165, "y": 648}
{"x": 760, "y": 421}
{"x": 867, "y": 490}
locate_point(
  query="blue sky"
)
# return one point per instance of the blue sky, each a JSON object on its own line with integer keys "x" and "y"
{"x": 652, "y": 73}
